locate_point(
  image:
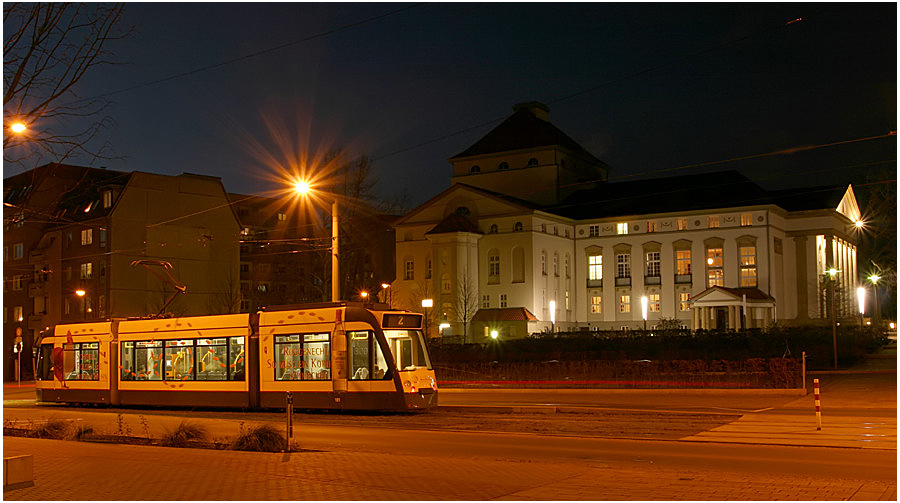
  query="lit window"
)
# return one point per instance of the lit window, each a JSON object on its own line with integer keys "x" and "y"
{"x": 683, "y": 262}
{"x": 713, "y": 222}
{"x": 596, "y": 304}
{"x": 595, "y": 267}
{"x": 107, "y": 198}
{"x": 715, "y": 275}
{"x": 651, "y": 226}
{"x": 748, "y": 266}
{"x": 18, "y": 313}
{"x": 654, "y": 302}
{"x": 282, "y": 217}
{"x": 623, "y": 265}
{"x": 17, "y": 282}
{"x": 653, "y": 263}
{"x": 681, "y": 224}
{"x": 746, "y": 219}
{"x": 684, "y": 298}
{"x": 87, "y": 236}
{"x": 622, "y": 228}
{"x": 87, "y": 270}
{"x": 625, "y": 303}
{"x": 593, "y": 230}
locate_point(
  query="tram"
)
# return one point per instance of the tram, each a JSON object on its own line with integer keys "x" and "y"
{"x": 337, "y": 355}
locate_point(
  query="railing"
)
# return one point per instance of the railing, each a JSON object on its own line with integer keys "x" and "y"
{"x": 626, "y": 281}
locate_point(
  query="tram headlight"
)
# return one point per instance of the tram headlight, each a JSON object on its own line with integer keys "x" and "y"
{"x": 406, "y": 384}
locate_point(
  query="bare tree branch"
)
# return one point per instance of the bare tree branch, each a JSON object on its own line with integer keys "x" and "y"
{"x": 48, "y": 49}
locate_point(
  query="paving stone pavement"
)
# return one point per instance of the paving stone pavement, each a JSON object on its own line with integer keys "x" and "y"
{"x": 88, "y": 471}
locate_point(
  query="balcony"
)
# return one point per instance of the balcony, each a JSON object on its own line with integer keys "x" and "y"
{"x": 623, "y": 281}
{"x": 652, "y": 280}
{"x": 595, "y": 283}
{"x": 682, "y": 279}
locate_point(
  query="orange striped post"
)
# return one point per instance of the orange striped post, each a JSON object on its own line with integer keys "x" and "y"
{"x": 818, "y": 405}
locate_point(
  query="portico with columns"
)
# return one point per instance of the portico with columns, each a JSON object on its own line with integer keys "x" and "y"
{"x": 720, "y": 308}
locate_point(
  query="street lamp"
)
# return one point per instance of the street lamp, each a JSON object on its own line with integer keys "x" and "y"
{"x": 303, "y": 188}
{"x": 364, "y": 295}
{"x": 81, "y": 293}
{"x": 552, "y": 316}
{"x": 861, "y": 297}
{"x": 874, "y": 279}
{"x": 832, "y": 272}
{"x": 644, "y": 304}
{"x": 426, "y": 304}
{"x": 384, "y": 288}
{"x": 18, "y": 127}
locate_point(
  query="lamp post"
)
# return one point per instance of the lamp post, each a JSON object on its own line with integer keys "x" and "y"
{"x": 303, "y": 188}
{"x": 874, "y": 279}
{"x": 364, "y": 295}
{"x": 426, "y": 304}
{"x": 861, "y": 298}
{"x": 81, "y": 293}
{"x": 832, "y": 272}
{"x": 644, "y": 304}
{"x": 388, "y": 294}
{"x": 552, "y": 316}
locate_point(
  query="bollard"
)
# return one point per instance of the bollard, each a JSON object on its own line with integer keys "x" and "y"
{"x": 804, "y": 373}
{"x": 818, "y": 405}
{"x": 289, "y": 411}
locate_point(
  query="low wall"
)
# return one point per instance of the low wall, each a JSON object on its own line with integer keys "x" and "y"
{"x": 755, "y": 373}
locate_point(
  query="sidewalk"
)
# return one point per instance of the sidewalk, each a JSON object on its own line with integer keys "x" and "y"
{"x": 858, "y": 410}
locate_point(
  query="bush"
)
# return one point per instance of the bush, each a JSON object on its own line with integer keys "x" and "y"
{"x": 59, "y": 429}
{"x": 264, "y": 438}
{"x": 184, "y": 435}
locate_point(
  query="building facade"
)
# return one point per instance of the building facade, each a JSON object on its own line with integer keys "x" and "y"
{"x": 71, "y": 234}
{"x": 530, "y": 221}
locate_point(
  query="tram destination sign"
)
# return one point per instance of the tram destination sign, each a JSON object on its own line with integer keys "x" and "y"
{"x": 409, "y": 321}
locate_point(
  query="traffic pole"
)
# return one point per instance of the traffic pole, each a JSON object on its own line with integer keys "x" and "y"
{"x": 818, "y": 405}
{"x": 289, "y": 411}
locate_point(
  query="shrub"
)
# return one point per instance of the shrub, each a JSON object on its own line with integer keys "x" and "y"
{"x": 184, "y": 435}
{"x": 264, "y": 438}
{"x": 59, "y": 429}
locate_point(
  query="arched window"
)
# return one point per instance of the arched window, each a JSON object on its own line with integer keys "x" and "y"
{"x": 463, "y": 211}
{"x": 493, "y": 229}
{"x": 502, "y": 166}
{"x": 445, "y": 283}
{"x": 532, "y": 162}
{"x": 517, "y": 227}
{"x": 475, "y": 169}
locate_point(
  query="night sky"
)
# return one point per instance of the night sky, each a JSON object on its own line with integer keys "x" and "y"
{"x": 647, "y": 88}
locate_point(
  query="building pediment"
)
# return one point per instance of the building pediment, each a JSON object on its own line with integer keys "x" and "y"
{"x": 478, "y": 203}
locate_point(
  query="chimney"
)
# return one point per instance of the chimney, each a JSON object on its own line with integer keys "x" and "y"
{"x": 538, "y": 109}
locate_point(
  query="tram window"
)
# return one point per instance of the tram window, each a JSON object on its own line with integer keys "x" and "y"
{"x": 142, "y": 361}
{"x": 45, "y": 362}
{"x": 179, "y": 362}
{"x": 236, "y": 357}
{"x": 212, "y": 363}
{"x": 81, "y": 361}
{"x": 408, "y": 348}
{"x": 302, "y": 357}
{"x": 359, "y": 355}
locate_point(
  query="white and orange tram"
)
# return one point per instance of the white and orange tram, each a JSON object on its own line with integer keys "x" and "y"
{"x": 338, "y": 355}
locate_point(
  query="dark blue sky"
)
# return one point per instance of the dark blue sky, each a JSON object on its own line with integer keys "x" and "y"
{"x": 644, "y": 87}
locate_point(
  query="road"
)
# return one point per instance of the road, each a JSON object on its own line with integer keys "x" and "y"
{"x": 513, "y": 444}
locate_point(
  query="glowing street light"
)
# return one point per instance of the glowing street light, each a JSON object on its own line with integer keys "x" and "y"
{"x": 18, "y": 127}
{"x": 389, "y": 293}
{"x": 645, "y": 301}
{"x": 552, "y": 315}
{"x": 303, "y": 188}
{"x": 494, "y": 334}
{"x": 874, "y": 279}
{"x": 364, "y": 294}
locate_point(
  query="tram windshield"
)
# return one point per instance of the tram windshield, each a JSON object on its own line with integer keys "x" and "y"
{"x": 408, "y": 348}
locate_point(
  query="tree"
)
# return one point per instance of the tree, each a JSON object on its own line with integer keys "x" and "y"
{"x": 48, "y": 49}
{"x": 466, "y": 302}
